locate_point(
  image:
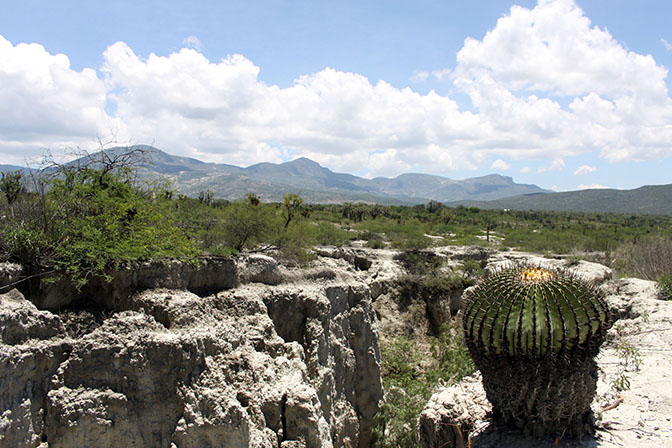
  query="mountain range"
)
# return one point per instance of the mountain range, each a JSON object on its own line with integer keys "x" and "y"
{"x": 317, "y": 184}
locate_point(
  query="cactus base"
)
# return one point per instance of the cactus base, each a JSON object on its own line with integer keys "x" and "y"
{"x": 542, "y": 397}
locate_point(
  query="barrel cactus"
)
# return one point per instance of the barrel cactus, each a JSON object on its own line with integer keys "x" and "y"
{"x": 534, "y": 333}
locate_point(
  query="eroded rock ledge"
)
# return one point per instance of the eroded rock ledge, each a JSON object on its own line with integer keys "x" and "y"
{"x": 263, "y": 364}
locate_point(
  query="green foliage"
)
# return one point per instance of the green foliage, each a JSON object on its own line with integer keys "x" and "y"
{"x": 25, "y": 244}
{"x": 11, "y": 185}
{"x": 664, "y": 287}
{"x": 409, "y": 379}
{"x": 89, "y": 221}
{"x": 292, "y": 205}
{"x": 630, "y": 359}
{"x": 105, "y": 223}
{"x": 472, "y": 268}
{"x": 244, "y": 225}
{"x": 295, "y": 242}
{"x": 328, "y": 234}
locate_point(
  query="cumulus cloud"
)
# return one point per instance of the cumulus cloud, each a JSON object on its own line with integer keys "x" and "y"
{"x": 584, "y": 169}
{"x": 614, "y": 101}
{"x": 46, "y": 104}
{"x": 525, "y": 170}
{"x": 500, "y": 165}
{"x": 184, "y": 100}
{"x": 620, "y": 104}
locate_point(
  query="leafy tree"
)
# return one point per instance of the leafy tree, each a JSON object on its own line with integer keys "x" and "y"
{"x": 245, "y": 224}
{"x": 104, "y": 222}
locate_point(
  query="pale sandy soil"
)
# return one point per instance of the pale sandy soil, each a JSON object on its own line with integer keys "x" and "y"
{"x": 640, "y": 415}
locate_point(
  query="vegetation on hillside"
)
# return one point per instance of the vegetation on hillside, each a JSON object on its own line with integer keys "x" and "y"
{"x": 83, "y": 220}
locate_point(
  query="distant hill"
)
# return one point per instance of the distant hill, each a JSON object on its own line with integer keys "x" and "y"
{"x": 649, "y": 200}
{"x": 10, "y": 168}
{"x": 318, "y": 184}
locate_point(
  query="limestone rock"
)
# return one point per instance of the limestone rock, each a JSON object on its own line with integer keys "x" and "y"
{"x": 452, "y": 414}
{"x": 292, "y": 365}
{"x": 20, "y": 320}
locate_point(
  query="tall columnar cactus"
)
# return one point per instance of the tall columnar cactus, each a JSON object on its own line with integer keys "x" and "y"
{"x": 534, "y": 334}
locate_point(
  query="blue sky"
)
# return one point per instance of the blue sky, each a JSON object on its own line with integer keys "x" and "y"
{"x": 564, "y": 94}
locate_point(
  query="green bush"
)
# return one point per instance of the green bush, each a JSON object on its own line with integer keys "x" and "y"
{"x": 103, "y": 223}
{"x": 664, "y": 287}
{"x": 295, "y": 242}
{"x": 411, "y": 376}
{"x": 89, "y": 221}
{"x": 328, "y": 234}
{"x": 245, "y": 225}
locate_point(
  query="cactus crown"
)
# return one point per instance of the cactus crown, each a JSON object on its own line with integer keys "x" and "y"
{"x": 533, "y": 312}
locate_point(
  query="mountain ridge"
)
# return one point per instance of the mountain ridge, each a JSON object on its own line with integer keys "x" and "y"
{"x": 315, "y": 183}
{"x": 318, "y": 184}
{"x": 647, "y": 199}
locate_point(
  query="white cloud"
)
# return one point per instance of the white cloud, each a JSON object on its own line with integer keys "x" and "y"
{"x": 500, "y": 165}
{"x": 337, "y": 118}
{"x": 584, "y": 169}
{"x": 620, "y": 105}
{"x": 525, "y": 170}
{"x": 46, "y": 104}
{"x": 667, "y": 45}
{"x": 556, "y": 165}
{"x": 192, "y": 42}
{"x": 592, "y": 187}
{"x": 615, "y": 102}
{"x": 554, "y": 48}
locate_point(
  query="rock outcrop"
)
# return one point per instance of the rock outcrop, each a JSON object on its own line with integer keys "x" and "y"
{"x": 155, "y": 364}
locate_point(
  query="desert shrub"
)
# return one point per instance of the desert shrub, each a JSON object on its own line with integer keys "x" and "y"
{"x": 295, "y": 241}
{"x": 650, "y": 259}
{"x": 664, "y": 287}
{"x": 244, "y": 225}
{"x": 11, "y": 185}
{"x": 373, "y": 240}
{"x": 410, "y": 376}
{"x": 328, "y": 234}
{"x": 417, "y": 262}
{"x": 472, "y": 268}
{"x": 89, "y": 221}
{"x": 104, "y": 223}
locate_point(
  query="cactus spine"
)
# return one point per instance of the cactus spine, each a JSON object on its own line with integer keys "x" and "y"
{"x": 534, "y": 334}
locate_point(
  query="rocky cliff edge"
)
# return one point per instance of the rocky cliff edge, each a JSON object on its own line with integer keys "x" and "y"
{"x": 181, "y": 358}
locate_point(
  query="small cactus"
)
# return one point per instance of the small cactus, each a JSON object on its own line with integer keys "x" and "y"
{"x": 534, "y": 333}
